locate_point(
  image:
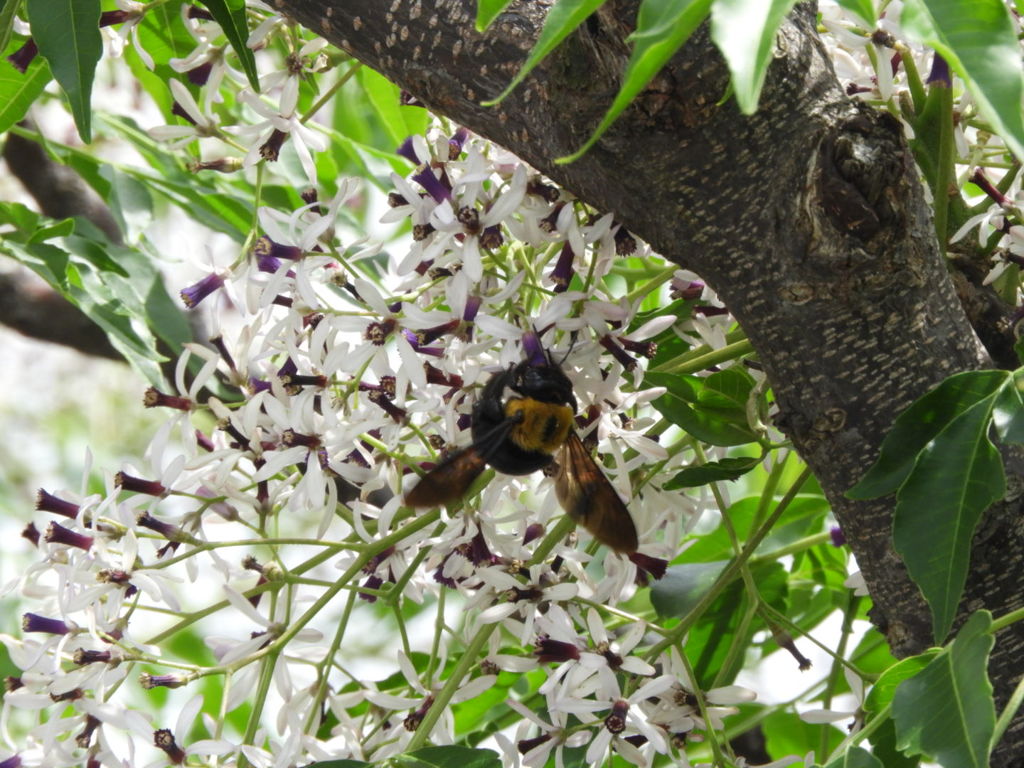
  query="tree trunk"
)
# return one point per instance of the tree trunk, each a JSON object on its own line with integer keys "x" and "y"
{"x": 808, "y": 218}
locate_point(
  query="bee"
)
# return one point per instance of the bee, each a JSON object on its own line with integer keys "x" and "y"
{"x": 523, "y": 422}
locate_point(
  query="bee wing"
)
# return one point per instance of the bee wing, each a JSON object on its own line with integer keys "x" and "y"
{"x": 591, "y": 500}
{"x": 451, "y": 478}
{"x": 447, "y": 481}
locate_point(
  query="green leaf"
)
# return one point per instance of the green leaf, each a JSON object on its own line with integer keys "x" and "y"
{"x": 447, "y": 757}
{"x": 340, "y": 764}
{"x": 487, "y": 11}
{"x": 68, "y": 35}
{"x": 744, "y": 31}
{"x": 978, "y": 41}
{"x": 562, "y": 19}
{"x": 662, "y": 26}
{"x": 130, "y": 202}
{"x": 710, "y": 641}
{"x": 8, "y": 9}
{"x": 863, "y": 8}
{"x": 954, "y": 480}
{"x": 700, "y": 411}
{"x": 803, "y": 516}
{"x": 1008, "y": 413}
{"x": 682, "y": 587}
{"x": 729, "y": 468}
{"x": 18, "y": 91}
{"x": 786, "y": 734}
{"x": 882, "y": 691}
{"x": 729, "y": 389}
{"x": 230, "y": 14}
{"x": 946, "y": 711}
{"x": 856, "y": 757}
{"x": 919, "y": 424}
{"x": 883, "y": 746}
{"x": 19, "y": 216}
{"x": 385, "y": 98}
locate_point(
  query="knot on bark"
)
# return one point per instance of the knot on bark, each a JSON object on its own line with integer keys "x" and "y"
{"x": 860, "y": 165}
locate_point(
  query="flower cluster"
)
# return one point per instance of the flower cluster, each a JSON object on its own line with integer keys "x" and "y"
{"x": 266, "y": 521}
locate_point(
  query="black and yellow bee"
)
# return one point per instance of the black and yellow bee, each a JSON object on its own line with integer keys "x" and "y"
{"x": 523, "y": 422}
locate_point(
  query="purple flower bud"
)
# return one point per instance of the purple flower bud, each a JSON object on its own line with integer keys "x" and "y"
{"x": 533, "y": 349}
{"x": 290, "y": 437}
{"x": 58, "y": 534}
{"x": 196, "y": 292}
{"x": 562, "y": 274}
{"x": 139, "y": 485}
{"x": 81, "y": 657}
{"x": 180, "y": 111}
{"x": 437, "y": 189}
{"x": 22, "y": 58}
{"x": 546, "y": 649}
{"x": 269, "y": 254}
{"x": 940, "y": 72}
{"x": 837, "y": 536}
{"x": 990, "y": 189}
{"x": 154, "y": 398}
{"x": 201, "y": 74}
{"x": 525, "y": 745}
{"x": 406, "y": 150}
{"x": 456, "y": 142}
{"x": 372, "y": 582}
{"x": 533, "y": 532}
{"x": 168, "y": 531}
{"x": 31, "y": 533}
{"x": 473, "y": 304}
{"x": 626, "y": 360}
{"x": 85, "y": 735}
{"x": 33, "y": 622}
{"x": 378, "y": 333}
{"x": 616, "y": 721}
{"x": 47, "y": 502}
{"x": 149, "y": 681}
{"x": 271, "y": 148}
{"x": 655, "y": 566}
{"x": 164, "y": 739}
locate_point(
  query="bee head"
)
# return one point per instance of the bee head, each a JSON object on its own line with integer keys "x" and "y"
{"x": 546, "y": 383}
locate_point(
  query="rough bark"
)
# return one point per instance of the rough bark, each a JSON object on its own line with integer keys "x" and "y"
{"x": 807, "y": 218}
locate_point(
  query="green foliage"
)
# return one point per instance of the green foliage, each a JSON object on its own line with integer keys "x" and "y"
{"x": 561, "y": 20}
{"x": 19, "y": 91}
{"x": 946, "y": 472}
{"x": 713, "y": 408}
{"x": 8, "y": 9}
{"x": 487, "y": 11}
{"x": 68, "y": 36}
{"x": 744, "y": 31}
{"x": 113, "y": 285}
{"x": 731, "y": 468}
{"x": 786, "y": 734}
{"x": 946, "y": 710}
{"x": 855, "y": 757}
{"x": 230, "y": 14}
{"x": 978, "y": 41}
{"x": 662, "y": 26}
